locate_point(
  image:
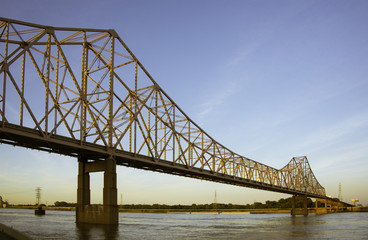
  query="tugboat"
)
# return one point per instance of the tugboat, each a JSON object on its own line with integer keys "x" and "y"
{"x": 39, "y": 210}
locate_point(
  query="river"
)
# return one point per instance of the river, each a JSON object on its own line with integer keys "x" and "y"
{"x": 61, "y": 225}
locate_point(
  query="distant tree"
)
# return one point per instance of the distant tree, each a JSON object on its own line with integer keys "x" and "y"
{"x": 64, "y": 204}
{"x": 271, "y": 204}
{"x": 283, "y": 203}
{"x": 258, "y": 205}
{"x": 156, "y": 206}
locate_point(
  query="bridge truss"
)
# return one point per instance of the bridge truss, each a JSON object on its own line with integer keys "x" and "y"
{"x": 83, "y": 92}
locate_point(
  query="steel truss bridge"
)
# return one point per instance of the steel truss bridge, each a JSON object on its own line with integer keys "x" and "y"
{"x": 83, "y": 93}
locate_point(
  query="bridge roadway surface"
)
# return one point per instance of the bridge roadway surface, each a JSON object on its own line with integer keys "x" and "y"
{"x": 30, "y": 138}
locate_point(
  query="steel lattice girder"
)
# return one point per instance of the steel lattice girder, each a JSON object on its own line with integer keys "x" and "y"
{"x": 74, "y": 91}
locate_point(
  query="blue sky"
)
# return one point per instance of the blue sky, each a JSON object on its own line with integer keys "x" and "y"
{"x": 270, "y": 80}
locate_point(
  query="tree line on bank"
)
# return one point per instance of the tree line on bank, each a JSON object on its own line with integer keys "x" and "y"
{"x": 283, "y": 203}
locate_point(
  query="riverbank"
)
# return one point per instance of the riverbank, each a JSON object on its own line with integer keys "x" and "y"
{"x": 44, "y": 208}
{"x": 185, "y": 210}
{"x": 196, "y": 211}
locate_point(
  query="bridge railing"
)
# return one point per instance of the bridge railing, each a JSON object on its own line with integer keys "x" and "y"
{"x": 85, "y": 84}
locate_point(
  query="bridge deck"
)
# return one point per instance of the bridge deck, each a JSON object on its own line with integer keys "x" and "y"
{"x": 30, "y": 138}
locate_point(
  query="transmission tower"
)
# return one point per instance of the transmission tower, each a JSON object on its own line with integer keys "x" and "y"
{"x": 215, "y": 201}
{"x": 340, "y": 195}
{"x": 38, "y": 195}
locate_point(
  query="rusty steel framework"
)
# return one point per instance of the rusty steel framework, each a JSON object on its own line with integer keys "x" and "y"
{"x": 82, "y": 91}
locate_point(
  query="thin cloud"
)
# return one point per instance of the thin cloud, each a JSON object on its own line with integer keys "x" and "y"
{"x": 243, "y": 54}
{"x": 214, "y": 100}
{"x": 335, "y": 134}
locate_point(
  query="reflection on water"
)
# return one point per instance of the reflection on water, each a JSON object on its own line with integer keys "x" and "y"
{"x": 298, "y": 227}
{"x": 61, "y": 225}
{"x": 96, "y": 231}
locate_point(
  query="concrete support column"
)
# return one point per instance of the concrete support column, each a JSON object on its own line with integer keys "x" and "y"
{"x": 305, "y": 206}
{"x": 321, "y": 210}
{"x": 110, "y": 192}
{"x": 83, "y": 191}
{"x": 293, "y": 205}
{"x": 107, "y": 213}
{"x": 302, "y": 211}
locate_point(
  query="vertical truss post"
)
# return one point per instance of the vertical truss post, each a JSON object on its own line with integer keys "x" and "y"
{"x": 111, "y": 92}
{"x": 174, "y": 134}
{"x": 213, "y": 158}
{"x": 165, "y": 140}
{"x": 47, "y": 80}
{"x": 149, "y": 130}
{"x": 202, "y": 148}
{"x": 135, "y": 95}
{"x": 5, "y": 70}
{"x": 156, "y": 112}
{"x": 22, "y": 89}
{"x": 190, "y": 160}
{"x": 56, "y": 86}
{"x": 84, "y": 89}
{"x": 131, "y": 116}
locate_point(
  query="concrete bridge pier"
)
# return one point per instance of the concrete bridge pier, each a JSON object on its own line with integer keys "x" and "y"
{"x": 299, "y": 211}
{"x": 322, "y": 210}
{"x": 329, "y": 206}
{"x": 107, "y": 213}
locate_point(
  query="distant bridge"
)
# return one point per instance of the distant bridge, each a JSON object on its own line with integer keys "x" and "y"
{"x": 83, "y": 93}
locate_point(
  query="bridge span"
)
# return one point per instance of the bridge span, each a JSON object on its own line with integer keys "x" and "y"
{"x": 83, "y": 93}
